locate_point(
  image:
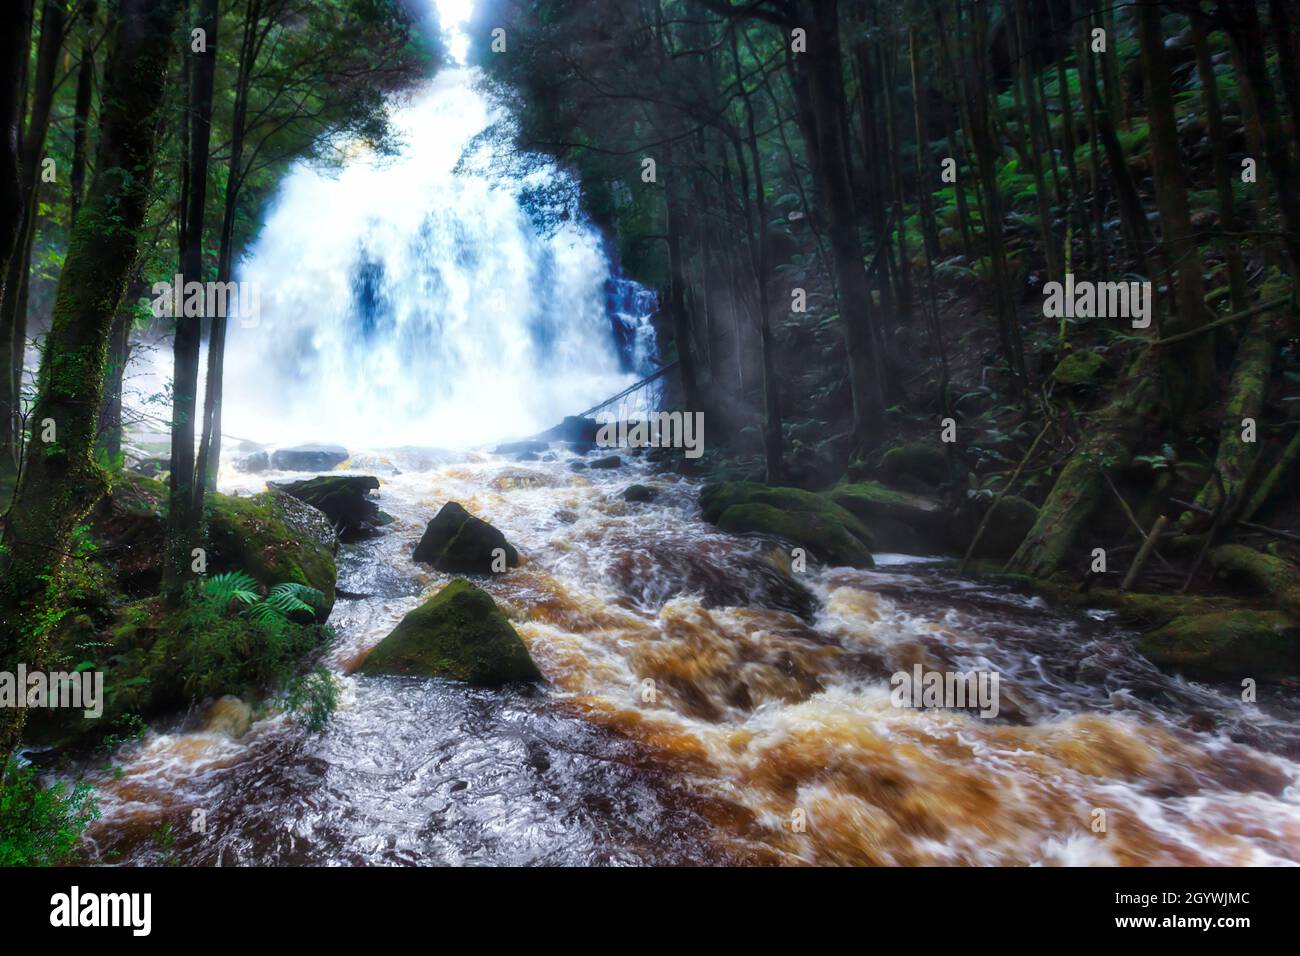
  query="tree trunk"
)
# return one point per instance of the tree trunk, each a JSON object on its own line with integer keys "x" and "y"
{"x": 13, "y": 309}
{"x": 186, "y": 490}
{"x": 1241, "y": 20}
{"x": 1188, "y": 369}
{"x": 81, "y": 110}
{"x": 209, "y": 461}
{"x": 1231, "y": 244}
{"x": 826, "y": 96}
{"x": 60, "y": 480}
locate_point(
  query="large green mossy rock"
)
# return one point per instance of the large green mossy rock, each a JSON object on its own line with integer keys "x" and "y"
{"x": 831, "y": 533}
{"x": 157, "y": 658}
{"x": 1227, "y": 645}
{"x": 915, "y": 462}
{"x": 459, "y": 633}
{"x": 899, "y": 521}
{"x": 276, "y": 538}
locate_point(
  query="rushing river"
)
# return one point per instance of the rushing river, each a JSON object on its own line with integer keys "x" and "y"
{"x": 697, "y": 707}
{"x": 758, "y": 717}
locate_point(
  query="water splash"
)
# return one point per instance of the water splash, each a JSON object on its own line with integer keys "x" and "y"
{"x": 452, "y": 296}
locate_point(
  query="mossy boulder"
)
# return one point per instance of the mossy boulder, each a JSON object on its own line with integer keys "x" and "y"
{"x": 1227, "y": 645}
{"x": 914, "y": 463}
{"x": 276, "y": 538}
{"x": 271, "y": 536}
{"x": 460, "y": 543}
{"x": 899, "y": 521}
{"x": 460, "y": 634}
{"x": 806, "y": 518}
{"x": 1082, "y": 369}
{"x": 157, "y": 658}
{"x": 344, "y": 499}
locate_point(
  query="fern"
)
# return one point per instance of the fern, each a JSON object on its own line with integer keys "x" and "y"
{"x": 291, "y": 596}
{"x": 283, "y": 599}
{"x": 232, "y": 586}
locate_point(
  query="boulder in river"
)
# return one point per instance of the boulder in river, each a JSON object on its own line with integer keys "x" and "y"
{"x": 609, "y": 461}
{"x": 344, "y": 499}
{"x": 1227, "y": 645}
{"x": 458, "y": 542}
{"x": 309, "y": 457}
{"x": 639, "y": 493}
{"x": 459, "y": 633}
{"x": 804, "y": 518}
{"x": 912, "y": 524}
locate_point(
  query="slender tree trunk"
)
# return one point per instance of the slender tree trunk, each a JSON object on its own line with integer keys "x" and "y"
{"x": 60, "y": 480}
{"x": 1231, "y": 244}
{"x": 186, "y": 490}
{"x": 1188, "y": 368}
{"x": 209, "y": 460}
{"x": 773, "y": 440}
{"x": 826, "y": 96}
{"x": 1242, "y": 23}
{"x": 13, "y": 308}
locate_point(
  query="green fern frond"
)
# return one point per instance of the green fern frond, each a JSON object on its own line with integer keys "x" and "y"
{"x": 232, "y": 586}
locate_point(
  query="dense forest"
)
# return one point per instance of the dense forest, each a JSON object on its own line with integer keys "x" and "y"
{"x": 1006, "y": 284}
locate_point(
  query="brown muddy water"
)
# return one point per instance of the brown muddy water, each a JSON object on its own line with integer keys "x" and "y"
{"x": 767, "y": 738}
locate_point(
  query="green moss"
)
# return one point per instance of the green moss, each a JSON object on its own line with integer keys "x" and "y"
{"x": 1228, "y": 645}
{"x": 820, "y": 532}
{"x": 899, "y": 521}
{"x": 1084, "y": 368}
{"x": 1279, "y": 579}
{"x": 459, "y": 633}
{"x": 716, "y": 499}
{"x": 925, "y": 463}
{"x": 275, "y": 538}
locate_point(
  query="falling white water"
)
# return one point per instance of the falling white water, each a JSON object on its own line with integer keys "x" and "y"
{"x": 414, "y": 300}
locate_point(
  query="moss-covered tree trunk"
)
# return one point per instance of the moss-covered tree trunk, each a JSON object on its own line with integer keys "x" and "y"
{"x": 60, "y": 480}
{"x": 1245, "y": 399}
{"x": 1081, "y": 485}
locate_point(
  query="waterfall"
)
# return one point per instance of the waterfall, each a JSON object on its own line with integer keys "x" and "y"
{"x": 451, "y": 295}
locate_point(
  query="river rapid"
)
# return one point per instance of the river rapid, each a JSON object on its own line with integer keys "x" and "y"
{"x": 764, "y": 737}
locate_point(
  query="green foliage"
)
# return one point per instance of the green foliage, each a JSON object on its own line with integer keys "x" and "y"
{"x": 312, "y": 699}
{"x": 41, "y": 826}
{"x": 239, "y": 589}
{"x": 229, "y": 623}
